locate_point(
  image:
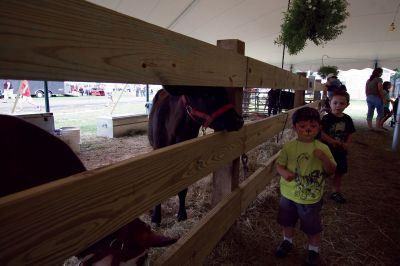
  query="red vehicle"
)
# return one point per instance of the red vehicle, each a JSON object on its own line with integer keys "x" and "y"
{"x": 97, "y": 92}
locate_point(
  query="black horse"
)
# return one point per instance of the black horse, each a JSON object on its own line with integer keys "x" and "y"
{"x": 278, "y": 100}
{"x": 177, "y": 114}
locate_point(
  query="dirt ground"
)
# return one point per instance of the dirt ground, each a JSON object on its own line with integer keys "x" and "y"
{"x": 365, "y": 231}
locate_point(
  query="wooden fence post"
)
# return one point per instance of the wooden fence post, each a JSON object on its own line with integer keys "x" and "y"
{"x": 317, "y": 93}
{"x": 226, "y": 179}
{"x": 299, "y": 94}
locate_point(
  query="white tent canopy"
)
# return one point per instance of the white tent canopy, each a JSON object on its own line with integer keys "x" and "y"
{"x": 365, "y": 41}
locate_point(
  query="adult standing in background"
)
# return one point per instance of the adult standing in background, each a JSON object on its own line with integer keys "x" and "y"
{"x": 25, "y": 93}
{"x": 375, "y": 97}
{"x": 7, "y": 90}
{"x": 332, "y": 84}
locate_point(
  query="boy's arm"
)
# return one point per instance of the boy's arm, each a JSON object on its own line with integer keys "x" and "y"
{"x": 327, "y": 164}
{"x": 349, "y": 138}
{"x": 347, "y": 142}
{"x": 380, "y": 92}
{"x": 285, "y": 173}
{"x": 329, "y": 140}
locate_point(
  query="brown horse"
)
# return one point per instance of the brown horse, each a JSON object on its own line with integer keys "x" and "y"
{"x": 177, "y": 114}
{"x": 31, "y": 156}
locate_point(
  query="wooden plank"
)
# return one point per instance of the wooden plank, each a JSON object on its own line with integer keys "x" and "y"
{"x": 121, "y": 125}
{"x": 45, "y": 224}
{"x": 65, "y": 40}
{"x": 119, "y": 120}
{"x": 299, "y": 98}
{"x": 68, "y": 215}
{"x": 194, "y": 247}
{"x": 77, "y": 40}
{"x": 258, "y": 132}
{"x": 318, "y": 86}
{"x": 262, "y": 75}
{"x": 257, "y": 182}
{"x": 130, "y": 129}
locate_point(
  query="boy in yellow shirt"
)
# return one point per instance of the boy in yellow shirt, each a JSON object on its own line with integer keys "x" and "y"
{"x": 303, "y": 164}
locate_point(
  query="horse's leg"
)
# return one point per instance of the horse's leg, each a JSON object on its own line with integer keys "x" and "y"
{"x": 182, "y": 215}
{"x": 156, "y": 215}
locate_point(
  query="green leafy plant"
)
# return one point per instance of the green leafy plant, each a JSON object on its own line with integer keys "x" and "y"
{"x": 317, "y": 20}
{"x": 324, "y": 71}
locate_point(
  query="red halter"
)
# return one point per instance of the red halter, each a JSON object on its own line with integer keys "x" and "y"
{"x": 193, "y": 113}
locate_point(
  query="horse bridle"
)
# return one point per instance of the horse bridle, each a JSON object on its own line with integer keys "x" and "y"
{"x": 195, "y": 114}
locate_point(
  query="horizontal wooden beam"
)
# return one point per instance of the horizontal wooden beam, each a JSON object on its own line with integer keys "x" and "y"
{"x": 193, "y": 248}
{"x": 257, "y": 182}
{"x": 45, "y": 224}
{"x": 262, "y": 75}
{"x": 77, "y": 40}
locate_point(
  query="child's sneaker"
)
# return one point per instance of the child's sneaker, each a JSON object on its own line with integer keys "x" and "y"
{"x": 283, "y": 249}
{"x": 312, "y": 258}
{"x": 336, "y": 196}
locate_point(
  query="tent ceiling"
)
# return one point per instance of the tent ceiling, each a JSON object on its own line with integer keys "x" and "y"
{"x": 257, "y": 23}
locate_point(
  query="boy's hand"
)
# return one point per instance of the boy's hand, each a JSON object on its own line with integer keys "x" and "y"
{"x": 289, "y": 176}
{"x": 328, "y": 166}
{"x": 320, "y": 155}
{"x": 345, "y": 146}
{"x": 336, "y": 143}
{"x": 285, "y": 173}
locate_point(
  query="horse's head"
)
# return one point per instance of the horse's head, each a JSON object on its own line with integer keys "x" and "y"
{"x": 209, "y": 106}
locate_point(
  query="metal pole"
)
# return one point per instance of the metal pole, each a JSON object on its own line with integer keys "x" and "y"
{"x": 396, "y": 133}
{"x": 284, "y": 45}
{"x": 147, "y": 93}
{"x": 46, "y": 97}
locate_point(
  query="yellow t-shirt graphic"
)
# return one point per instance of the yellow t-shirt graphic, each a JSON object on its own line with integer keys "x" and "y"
{"x": 308, "y": 185}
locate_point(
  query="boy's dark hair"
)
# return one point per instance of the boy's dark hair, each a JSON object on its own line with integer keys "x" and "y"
{"x": 386, "y": 85}
{"x": 306, "y": 114}
{"x": 342, "y": 93}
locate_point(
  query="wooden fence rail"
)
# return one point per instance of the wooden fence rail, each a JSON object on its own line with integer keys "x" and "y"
{"x": 44, "y": 224}
{"x": 76, "y": 40}
{"x": 66, "y": 40}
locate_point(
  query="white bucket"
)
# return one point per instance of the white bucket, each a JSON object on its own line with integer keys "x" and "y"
{"x": 71, "y": 136}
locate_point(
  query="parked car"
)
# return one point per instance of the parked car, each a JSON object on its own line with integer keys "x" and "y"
{"x": 97, "y": 92}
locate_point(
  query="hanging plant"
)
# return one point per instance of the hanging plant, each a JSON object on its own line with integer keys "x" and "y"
{"x": 317, "y": 20}
{"x": 326, "y": 70}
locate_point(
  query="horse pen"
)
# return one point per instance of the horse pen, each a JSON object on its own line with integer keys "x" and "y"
{"x": 65, "y": 40}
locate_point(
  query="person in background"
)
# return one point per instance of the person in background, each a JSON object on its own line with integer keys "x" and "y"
{"x": 332, "y": 84}
{"x": 337, "y": 129}
{"x": 7, "y": 91}
{"x": 375, "y": 98}
{"x": 25, "y": 93}
{"x": 387, "y": 113}
{"x": 303, "y": 164}
{"x": 110, "y": 100}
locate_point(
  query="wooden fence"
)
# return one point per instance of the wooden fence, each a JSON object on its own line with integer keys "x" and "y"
{"x": 75, "y": 40}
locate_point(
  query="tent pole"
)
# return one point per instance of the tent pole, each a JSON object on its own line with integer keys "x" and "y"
{"x": 396, "y": 133}
{"x": 284, "y": 44}
{"x": 46, "y": 97}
